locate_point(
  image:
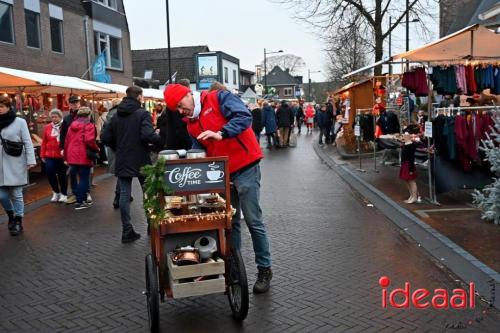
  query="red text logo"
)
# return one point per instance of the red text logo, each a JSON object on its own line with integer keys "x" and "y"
{"x": 422, "y": 298}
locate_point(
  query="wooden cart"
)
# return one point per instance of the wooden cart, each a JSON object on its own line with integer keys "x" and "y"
{"x": 163, "y": 277}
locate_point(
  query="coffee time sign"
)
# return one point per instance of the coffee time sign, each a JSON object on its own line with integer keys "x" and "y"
{"x": 195, "y": 177}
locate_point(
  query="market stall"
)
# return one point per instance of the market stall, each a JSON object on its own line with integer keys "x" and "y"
{"x": 464, "y": 65}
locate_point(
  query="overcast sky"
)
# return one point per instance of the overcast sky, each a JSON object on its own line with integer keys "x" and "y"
{"x": 241, "y": 28}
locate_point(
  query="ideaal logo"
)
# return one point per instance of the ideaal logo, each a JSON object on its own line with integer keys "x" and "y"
{"x": 422, "y": 298}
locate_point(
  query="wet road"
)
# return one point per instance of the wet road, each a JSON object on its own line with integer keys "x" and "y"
{"x": 69, "y": 272}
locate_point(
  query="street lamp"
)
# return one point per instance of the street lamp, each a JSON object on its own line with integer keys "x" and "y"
{"x": 309, "y": 78}
{"x": 265, "y": 67}
{"x": 168, "y": 44}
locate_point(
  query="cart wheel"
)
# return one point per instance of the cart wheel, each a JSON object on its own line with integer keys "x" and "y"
{"x": 237, "y": 289}
{"x": 152, "y": 294}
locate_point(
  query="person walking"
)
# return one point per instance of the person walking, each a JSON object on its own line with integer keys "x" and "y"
{"x": 80, "y": 151}
{"x": 257, "y": 121}
{"x": 129, "y": 134}
{"x": 269, "y": 122}
{"x": 227, "y": 131}
{"x": 74, "y": 105}
{"x": 299, "y": 118}
{"x": 51, "y": 155}
{"x": 100, "y": 119}
{"x": 110, "y": 153}
{"x": 284, "y": 117}
{"x": 309, "y": 117}
{"x": 17, "y": 156}
{"x": 322, "y": 119}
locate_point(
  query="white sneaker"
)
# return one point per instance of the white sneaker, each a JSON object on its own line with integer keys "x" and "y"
{"x": 89, "y": 198}
{"x": 55, "y": 197}
{"x": 63, "y": 198}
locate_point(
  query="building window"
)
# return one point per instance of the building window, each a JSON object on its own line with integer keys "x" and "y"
{"x": 56, "y": 35}
{"x": 113, "y": 48}
{"x": 287, "y": 92}
{"x": 32, "y": 28}
{"x": 108, "y": 3}
{"x": 234, "y": 76}
{"x": 226, "y": 75}
{"x": 6, "y": 26}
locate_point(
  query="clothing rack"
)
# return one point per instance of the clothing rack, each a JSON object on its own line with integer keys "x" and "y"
{"x": 432, "y": 187}
{"x": 366, "y": 111}
{"x": 358, "y": 137}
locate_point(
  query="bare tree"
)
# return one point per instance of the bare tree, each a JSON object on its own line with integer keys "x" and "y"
{"x": 329, "y": 16}
{"x": 293, "y": 63}
{"x": 347, "y": 49}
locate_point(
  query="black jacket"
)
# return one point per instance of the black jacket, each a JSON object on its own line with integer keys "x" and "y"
{"x": 300, "y": 114}
{"x": 257, "y": 120}
{"x": 67, "y": 120}
{"x": 284, "y": 115}
{"x": 128, "y": 134}
{"x": 173, "y": 131}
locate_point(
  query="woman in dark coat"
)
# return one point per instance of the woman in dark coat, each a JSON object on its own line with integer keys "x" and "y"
{"x": 257, "y": 122}
{"x": 269, "y": 123}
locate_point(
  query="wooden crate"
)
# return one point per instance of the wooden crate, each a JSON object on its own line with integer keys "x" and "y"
{"x": 188, "y": 289}
{"x": 192, "y": 271}
{"x": 196, "y": 288}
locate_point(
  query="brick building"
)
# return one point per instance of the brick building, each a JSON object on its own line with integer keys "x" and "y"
{"x": 286, "y": 85}
{"x": 64, "y": 37}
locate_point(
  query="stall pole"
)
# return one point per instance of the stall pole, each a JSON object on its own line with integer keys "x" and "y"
{"x": 358, "y": 140}
{"x": 375, "y": 147}
{"x": 430, "y": 157}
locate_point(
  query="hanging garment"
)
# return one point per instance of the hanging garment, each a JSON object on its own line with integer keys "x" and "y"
{"x": 496, "y": 80}
{"x": 487, "y": 124}
{"x": 461, "y": 134}
{"x": 416, "y": 82}
{"x": 388, "y": 122}
{"x": 461, "y": 79}
{"x": 439, "y": 136}
{"x": 471, "y": 81}
{"x": 489, "y": 77}
{"x": 449, "y": 133}
{"x": 367, "y": 127}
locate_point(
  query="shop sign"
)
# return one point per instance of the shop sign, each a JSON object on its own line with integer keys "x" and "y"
{"x": 207, "y": 71}
{"x": 428, "y": 129}
{"x": 357, "y": 130}
{"x": 195, "y": 177}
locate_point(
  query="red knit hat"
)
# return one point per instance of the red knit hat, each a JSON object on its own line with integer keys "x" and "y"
{"x": 173, "y": 94}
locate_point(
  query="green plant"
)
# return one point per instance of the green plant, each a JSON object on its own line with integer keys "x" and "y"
{"x": 154, "y": 183}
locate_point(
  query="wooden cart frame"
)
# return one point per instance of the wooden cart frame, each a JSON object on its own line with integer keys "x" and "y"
{"x": 158, "y": 279}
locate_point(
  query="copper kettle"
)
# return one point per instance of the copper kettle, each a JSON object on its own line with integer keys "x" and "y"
{"x": 186, "y": 256}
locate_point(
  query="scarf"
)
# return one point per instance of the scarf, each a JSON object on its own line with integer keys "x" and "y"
{"x": 56, "y": 130}
{"x": 197, "y": 105}
{"x": 7, "y": 119}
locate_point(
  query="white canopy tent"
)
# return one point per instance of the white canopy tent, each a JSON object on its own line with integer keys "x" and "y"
{"x": 471, "y": 43}
{"x": 14, "y": 80}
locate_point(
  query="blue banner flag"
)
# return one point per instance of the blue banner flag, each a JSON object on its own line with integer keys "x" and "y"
{"x": 99, "y": 69}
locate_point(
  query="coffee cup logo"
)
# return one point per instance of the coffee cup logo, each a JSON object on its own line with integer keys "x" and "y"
{"x": 214, "y": 175}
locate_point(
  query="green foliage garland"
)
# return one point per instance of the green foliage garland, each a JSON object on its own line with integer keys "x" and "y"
{"x": 154, "y": 184}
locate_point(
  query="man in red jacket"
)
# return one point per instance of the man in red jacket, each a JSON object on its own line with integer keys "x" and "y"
{"x": 221, "y": 124}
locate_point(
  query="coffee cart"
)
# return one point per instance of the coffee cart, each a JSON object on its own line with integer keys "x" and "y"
{"x": 192, "y": 178}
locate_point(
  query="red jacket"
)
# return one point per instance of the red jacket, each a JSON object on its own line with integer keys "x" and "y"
{"x": 241, "y": 150}
{"x": 81, "y": 134}
{"x": 50, "y": 146}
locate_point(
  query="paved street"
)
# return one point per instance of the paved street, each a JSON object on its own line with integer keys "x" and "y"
{"x": 70, "y": 273}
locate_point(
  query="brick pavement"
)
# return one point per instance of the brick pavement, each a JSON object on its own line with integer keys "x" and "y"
{"x": 70, "y": 273}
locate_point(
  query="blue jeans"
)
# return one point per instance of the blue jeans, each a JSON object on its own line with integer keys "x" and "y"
{"x": 245, "y": 196}
{"x": 83, "y": 182}
{"x": 56, "y": 173}
{"x": 12, "y": 199}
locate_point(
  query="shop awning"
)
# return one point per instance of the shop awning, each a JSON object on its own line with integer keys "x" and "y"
{"x": 153, "y": 93}
{"x": 12, "y": 80}
{"x": 471, "y": 43}
{"x": 349, "y": 86}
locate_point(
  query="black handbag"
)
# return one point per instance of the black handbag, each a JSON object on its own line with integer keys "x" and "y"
{"x": 12, "y": 148}
{"x": 91, "y": 154}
